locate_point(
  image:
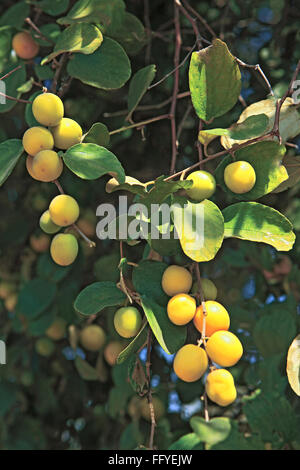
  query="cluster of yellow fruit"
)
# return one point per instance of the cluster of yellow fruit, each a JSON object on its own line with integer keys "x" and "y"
{"x": 44, "y": 164}
{"x": 222, "y": 347}
{"x": 239, "y": 177}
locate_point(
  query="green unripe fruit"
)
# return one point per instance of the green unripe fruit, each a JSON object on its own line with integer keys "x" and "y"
{"x": 210, "y": 291}
{"x": 64, "y": 210}
{"x": 127, "y": 321}
{"x": 48, "y": 109}
{"x": 64, "y": 249}
{"x": 47, "y": 225}
{"x": 66, "y": 134}
{"x": 45, "y": 347}
{"x": 57, "y": 330}
{"x": 204, "y": 185}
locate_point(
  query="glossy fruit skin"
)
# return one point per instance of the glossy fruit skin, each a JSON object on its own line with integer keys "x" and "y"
{"x": 240, "y": 177}
{"x": 66, "y": 134}
{"x": 220, "y": 387}
{"x": 159, "y": 408}
{"x": 64, "y": 249}
{"x": 176, "y": 280}
{"x": 224, "y": 348}
{"x": 25, "y": 46}
{"x": 64, "y": 210}
{"x": 47, "y": 225}
{"x": 217, "y": 318}
{"x": 204, "y": 185}
{"x": 127, "y": 321}
{"x": 92, "y": 337}
{"x": 36, "y": 139}
{"x": 57, "y": 330}
{"x": 48, "y": 109}
{"x": 190, "y": 363}
{"x": 40, "y": 243}
{"x": 44, "y": 347}
{"x": 209, "y": 289}
{"x": 181, "y": 309}
{"x": 47, "y": 166}
{"x": 112, "y": 351}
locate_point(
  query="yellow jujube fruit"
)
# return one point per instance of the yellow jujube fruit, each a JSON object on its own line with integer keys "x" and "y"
{"x": 44, "y": 347}
{"x": 39, "y": 242}
{"x": 181, "y": 309}
{"x": 190, "y": 363}
{"x": 7, "y": 288}
{"x": 47, "y": 224}
{"x": 92, "y": 337}
{"x": 64, "y": 249}
{"x": 220, "y": 387}
{"x": 57, "y": 330}
{"x": 64, "y": 210}
{"x": 176, "y": 280}
{"x": 10, "y": 302}
{"x": 240, "y": 177}
{"x": 24, "y": 45}
{"x": 66, "y": 134}
{"x": 224, "y": 348}
{"x": 127, "y": 321}
{"x": 36, "y": 139}
{"x": 216, "y": 319}
{"x": 47, "y": 166}
{"x": 48, "y": 109}
{"x": 204, "y": 185}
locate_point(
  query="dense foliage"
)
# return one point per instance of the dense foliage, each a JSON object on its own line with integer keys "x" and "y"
{"x": 157, "y": 87}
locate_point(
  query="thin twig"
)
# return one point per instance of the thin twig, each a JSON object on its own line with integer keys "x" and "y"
{"x": 148, "y": 31}
{"x": 192, "y": 21}
{"x": 178, "y": 42}
{"x": 149, "y": 394}
{"x": 41, "y": 35}
{"x": 200, "y": 18}
{"x": 258, "y": 68}
{"x": 140, "y": 124}
{"x": 60, "y": 66}
{"x": 10, "y": 73}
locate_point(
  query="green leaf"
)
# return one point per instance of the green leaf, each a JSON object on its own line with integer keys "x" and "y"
{"x": 146, "y": 279}
{"x": 162, "y": 189}
{"x": 107, "y": 68}
{"x": 273, "y": 332}
{"x": 171, "y": 337}
{"x": 98, "y": 134}
{"x": 90, "y": 161}
{"x": 85, "y": 370}
{"x": 29, "y": 117}
{"x": 35, "y": 297}
{"x": 81, "y": 37}
{"x": 12, "y": 83}
{"x": 47, "y": 269}
{"x": 292, "y": 165}
{"x": 253, "y": 126}
{"x": 106, "y": 12}
{"x": 50, "y": 31}
{"x": 200, "y": 228}
{"x": 132, "y": 185}
{"x": 38, "y": 326}
{"x": 10, "y": 152}
{"x": 98, "y": 296}
{"x": 187, "y": 442}
{"x": 138, "y": 341}
{"x": 288, "y": 125}
{"x": 52, "y": 7}
{"x": 138, "y": 87}
{"x": 15, "y": 15}
{"x": 211, "y": 432}
{"x": 266, "y": 159}
{"x": 130, "y": 34}
{"x": 5, "y": 45}
{"x": 268, "y": 413}
{"x": 293, "y": 365}
{"x": 215, "y": 80}
{"x": 237, "y": 441}
{"x": 43, "y": 72}
{"x": 26, "y": 87}
{"x": 256, "y": 222}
